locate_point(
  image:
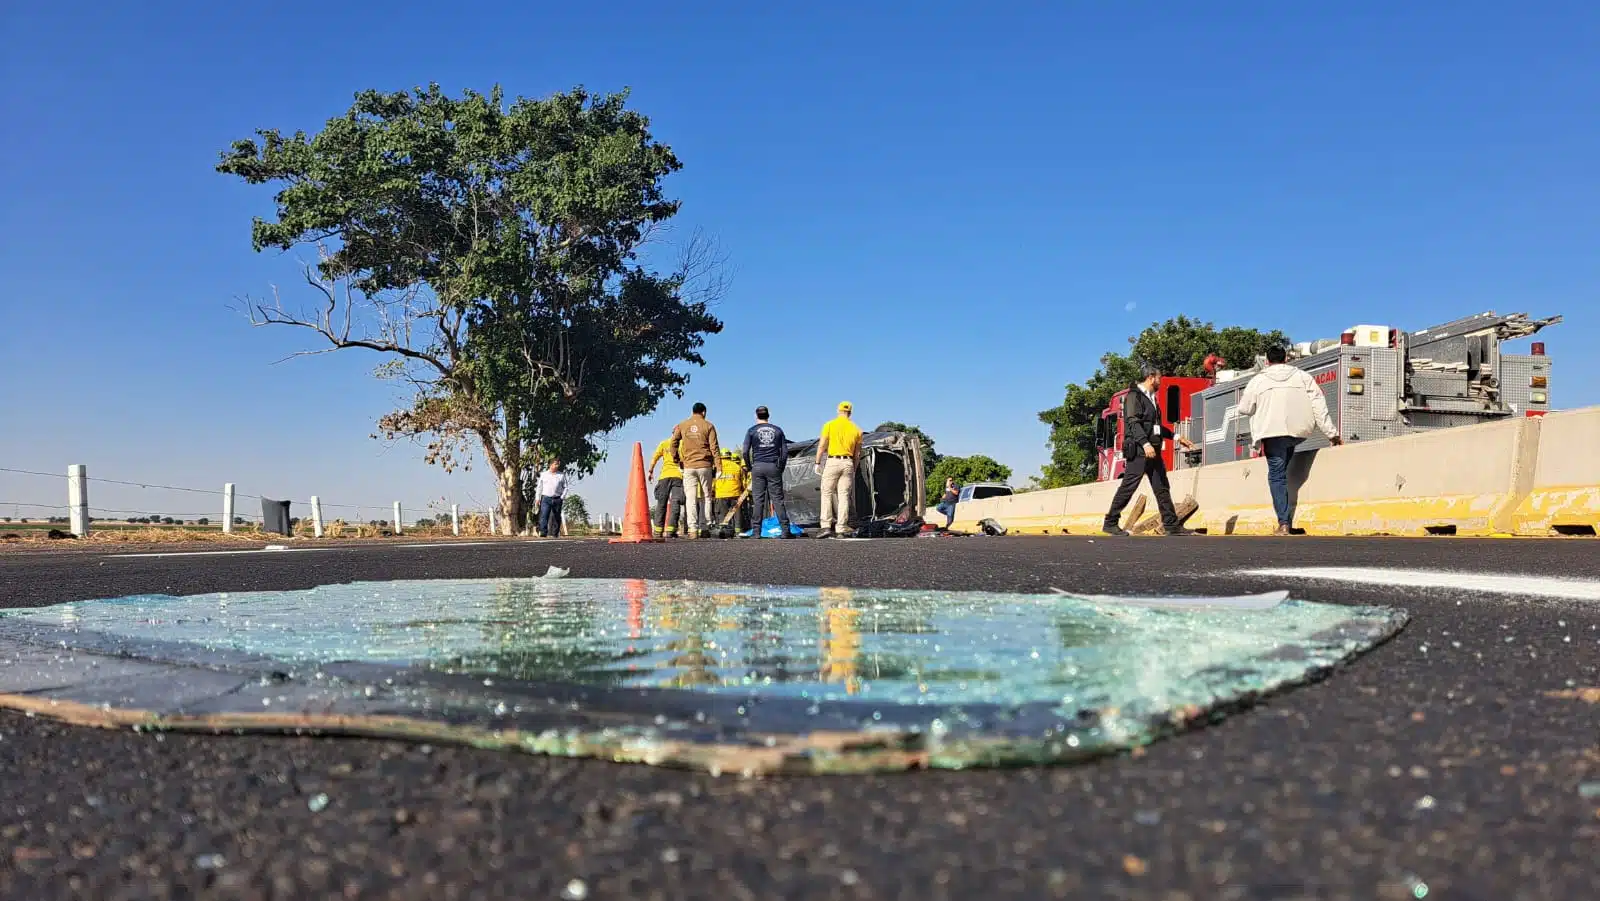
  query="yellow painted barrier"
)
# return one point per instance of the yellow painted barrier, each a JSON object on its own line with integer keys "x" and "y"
{"x": 1535, "y": 477}
{"x": 1564, "y": 491}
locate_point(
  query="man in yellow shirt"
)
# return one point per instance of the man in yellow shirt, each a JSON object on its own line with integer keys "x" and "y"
{"x": 838, "y": 452}
{"x": 669, "y": 491}
{"x": 730, "y": 486}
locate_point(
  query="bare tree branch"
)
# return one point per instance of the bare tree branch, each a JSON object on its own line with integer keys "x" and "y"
{"x": 321, "y": 322}
{"x": 704, "y": 270}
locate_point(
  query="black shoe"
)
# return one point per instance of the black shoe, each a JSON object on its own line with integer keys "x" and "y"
{"x": 703, "y": 534}
{"x": 1115, "y": 531}
{"x": 1179, "y": 532}
{"x": 786, "y": 533}
{"x": 825, "y": 533}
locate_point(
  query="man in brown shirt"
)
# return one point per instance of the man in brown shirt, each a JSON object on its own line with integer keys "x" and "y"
{"x": 695, "y": 449}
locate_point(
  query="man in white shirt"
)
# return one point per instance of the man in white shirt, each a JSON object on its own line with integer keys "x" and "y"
{"x": 552, "y": 490}
{"x": 1285, "y": 406}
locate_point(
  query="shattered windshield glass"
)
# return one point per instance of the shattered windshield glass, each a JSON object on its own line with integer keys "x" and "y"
{"x": 913, "y": 660}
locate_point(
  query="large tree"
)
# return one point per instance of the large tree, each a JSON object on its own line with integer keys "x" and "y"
{"x": 1178, "y": 346}
{"x": 490, "y": 253}
{"x": 965, "y": 470}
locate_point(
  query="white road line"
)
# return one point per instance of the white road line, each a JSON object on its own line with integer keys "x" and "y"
{"x": 346, "y": 547}
{"x": 1491, "y": 583}
{"x": 448, "y": 544}
{"x": 288, "y": 550}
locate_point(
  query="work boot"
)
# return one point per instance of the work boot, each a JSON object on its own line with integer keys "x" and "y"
{"x": 1114, "y": 530}
{"x": 703, "y": 534}
{"x": 1282, "y": 530}
{"x": 786, "y": 533}
{"x": 825, "y": 533}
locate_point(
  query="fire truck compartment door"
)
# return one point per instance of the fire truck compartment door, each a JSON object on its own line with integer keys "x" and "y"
{"x": 1384, "y": 383}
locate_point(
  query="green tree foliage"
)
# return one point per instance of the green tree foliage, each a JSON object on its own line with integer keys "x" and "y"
{"x": 575, "y": 513}
{"x": 965, "y": 470}
{"x": 930, "y": 457}
{"x": 1178, "y": 347}
{"x": 490, "y": 253}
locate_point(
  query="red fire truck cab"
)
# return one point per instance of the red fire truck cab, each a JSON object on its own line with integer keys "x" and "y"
{"x": 1176, "y": 396}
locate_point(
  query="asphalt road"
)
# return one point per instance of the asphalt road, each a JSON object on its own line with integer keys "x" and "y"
{"x": 1454, "y": 757}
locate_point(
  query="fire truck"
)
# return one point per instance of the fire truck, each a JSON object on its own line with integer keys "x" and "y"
{"x": 1379, "y": 382}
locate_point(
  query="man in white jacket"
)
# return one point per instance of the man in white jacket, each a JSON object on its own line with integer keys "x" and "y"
{"x": 1285, "y": 407}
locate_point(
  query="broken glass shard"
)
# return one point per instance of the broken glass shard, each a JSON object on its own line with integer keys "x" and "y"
{"x": 728, "y": 678}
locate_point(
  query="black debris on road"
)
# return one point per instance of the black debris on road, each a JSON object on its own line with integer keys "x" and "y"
{"x": 1457, "y": 761}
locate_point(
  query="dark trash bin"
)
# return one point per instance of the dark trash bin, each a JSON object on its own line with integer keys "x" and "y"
{"x": 275, "y": 517}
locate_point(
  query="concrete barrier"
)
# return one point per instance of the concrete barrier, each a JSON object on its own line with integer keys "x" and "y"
{"x": 1524, "y": 476}
{"x": 1563, "y": 491}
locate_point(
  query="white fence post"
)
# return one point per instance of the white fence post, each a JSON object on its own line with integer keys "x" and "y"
{"x": 492, "y": 529}
{"x": 227, "y": 508}
{"x": 316, "y": 516}
{"x": 78, "y": 499}
{"x": 455, "y": 519}
{"x": 399, "y": 529}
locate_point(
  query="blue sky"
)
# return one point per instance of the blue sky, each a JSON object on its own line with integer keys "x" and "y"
{"x": 941, "y": 212}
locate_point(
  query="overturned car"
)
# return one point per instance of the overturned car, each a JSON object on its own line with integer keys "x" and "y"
{"x": 889, "y": 482}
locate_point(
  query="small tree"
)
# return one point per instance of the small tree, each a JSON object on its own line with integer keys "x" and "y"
{"x": 202, "y": 521}
{"x": 575, "y": 513}
{"x": 1178, "y": 347}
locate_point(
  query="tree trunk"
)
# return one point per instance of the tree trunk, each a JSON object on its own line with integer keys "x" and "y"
{"x": 509, "y": 476}
{"x": 512, "y": 512}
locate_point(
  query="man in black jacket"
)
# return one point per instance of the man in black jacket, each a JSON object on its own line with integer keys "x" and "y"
{"x": 1142, "y": 432}
{"x": 766, "y": 452}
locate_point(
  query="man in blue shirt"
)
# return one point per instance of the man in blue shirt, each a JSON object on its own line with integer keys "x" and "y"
{"x": 766, "y": 451}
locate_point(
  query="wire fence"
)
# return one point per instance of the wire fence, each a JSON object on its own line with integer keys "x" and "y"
{"x": 442, "y": 512}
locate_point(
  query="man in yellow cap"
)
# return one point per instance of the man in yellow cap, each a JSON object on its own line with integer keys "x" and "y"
{"x": 838, "y": 452}
{"x": 731, "y": 484}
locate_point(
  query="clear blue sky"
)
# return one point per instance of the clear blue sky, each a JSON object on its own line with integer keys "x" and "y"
{"x": 941, "y": 212}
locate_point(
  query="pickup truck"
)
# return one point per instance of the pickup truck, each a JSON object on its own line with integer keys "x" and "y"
{"x": 977, "y": 491}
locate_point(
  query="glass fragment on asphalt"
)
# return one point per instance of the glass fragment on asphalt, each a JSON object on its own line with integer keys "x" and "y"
{"x": 735, "y": 678}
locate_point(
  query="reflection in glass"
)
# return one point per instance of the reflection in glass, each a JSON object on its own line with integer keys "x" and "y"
{"x": 908, "y": 647}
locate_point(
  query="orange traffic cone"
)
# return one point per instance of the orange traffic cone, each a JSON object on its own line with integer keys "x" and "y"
{"x": 636, "y": 516}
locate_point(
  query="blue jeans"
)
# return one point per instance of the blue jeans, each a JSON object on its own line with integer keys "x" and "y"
{"x": 949, "y": 511}
{"x": 550, "y": 517}
{"x": 1278, "y": 451}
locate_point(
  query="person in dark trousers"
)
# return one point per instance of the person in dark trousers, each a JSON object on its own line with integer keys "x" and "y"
{"x": 1285, "y": 405}
{"x": 1142, "y": 433}
{"x": 669, "y": 513}
{"x": 947, "y": 502}
{"x": 766, "y": 451}
{"x": 552, "y": 491}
